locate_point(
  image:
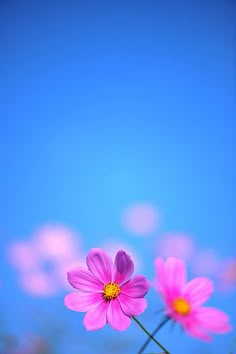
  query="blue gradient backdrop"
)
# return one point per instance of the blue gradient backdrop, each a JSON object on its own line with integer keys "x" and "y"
{"x": 105, "y": 103}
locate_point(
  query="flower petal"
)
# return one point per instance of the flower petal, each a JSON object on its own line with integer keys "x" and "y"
{"x": 198, "y": 290}
{"x": 132, "y": 306}
{"x": 171, "y": 276}
{"x": 82, "y": 302}
{"x": 116, "y": 317}
{"x": 82, "y": 279}
{"x": 175, "y": 274}
{"x": 136, "y": 287}
{"x": 96, "y": 318}
{"x": 100, "y": 264}
{"x": 213, "y": 320}
{"x": 193, "y": 329}
{"x": 123, "y": 267}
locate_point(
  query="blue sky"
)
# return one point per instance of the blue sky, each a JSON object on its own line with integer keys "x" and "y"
{"x": 105, "y": 104}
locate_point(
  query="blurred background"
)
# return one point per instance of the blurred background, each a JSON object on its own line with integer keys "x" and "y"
{"x": 117, "y": 131}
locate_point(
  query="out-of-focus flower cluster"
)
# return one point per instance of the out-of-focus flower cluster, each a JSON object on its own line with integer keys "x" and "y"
{"x": 42, "y": 261}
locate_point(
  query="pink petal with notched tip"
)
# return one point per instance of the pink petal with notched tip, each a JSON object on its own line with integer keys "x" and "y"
{"x": 132, "y": 306}
{"x": 63, "y": 267}
{"x": 97, "y": 317}
{"x": 82, "y": 302}
{"x": 100, "y": 264}
{"x": 136, "y": 287}
{"x": 82, "y": 279}
{"x": 116, "y": 317}
{"x": 112, "y": 246}
{"x": 123, "y": 267}
{"x": 197, "y": 291}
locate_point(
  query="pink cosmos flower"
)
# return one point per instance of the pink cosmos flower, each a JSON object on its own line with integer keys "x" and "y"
{"x": 107, "y": 293}
{"x": 183, "y": 300}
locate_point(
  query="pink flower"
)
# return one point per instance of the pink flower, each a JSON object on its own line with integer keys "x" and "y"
{"x": 183, "y": 300}
{"x": 107, "y": 293}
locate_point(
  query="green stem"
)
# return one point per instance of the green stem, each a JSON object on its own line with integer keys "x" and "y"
{"x": 150, "y": 336}
{"x": 163, "y": 322}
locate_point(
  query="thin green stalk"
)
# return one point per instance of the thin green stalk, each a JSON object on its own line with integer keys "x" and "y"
{"x": 166, "y": 319}
{"x": 150, "y": 336}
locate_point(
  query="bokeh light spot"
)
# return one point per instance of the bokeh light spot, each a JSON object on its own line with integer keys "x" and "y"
{"x": 141, "y": 219}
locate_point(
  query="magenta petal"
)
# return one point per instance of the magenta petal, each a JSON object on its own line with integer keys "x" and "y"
{"x": 132, "y": 306}
{"x": 123, "y": 267}
{"x": 82, "y": 279}
{"x": 116, "y": 317}
{"x": 198, "y": 290}
{"x": 96, "y": 318}
{"x": 136, "y": 287}
{"x": 213, "y": 320}
{"x": 100, "y": 264}
{"x": 82, "y": 302}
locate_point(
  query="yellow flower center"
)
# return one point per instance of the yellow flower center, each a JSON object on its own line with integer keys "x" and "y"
{"x": 111, "y": 291}
{"x": 182, "y": 306}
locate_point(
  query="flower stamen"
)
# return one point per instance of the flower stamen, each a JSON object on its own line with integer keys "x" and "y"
{"x": 181, "y": 306}
{"x": 111, "y": 291}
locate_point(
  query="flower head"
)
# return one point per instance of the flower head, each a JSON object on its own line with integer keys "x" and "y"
{"x": 183, "y": 300}
{"x": 106, "y": 292}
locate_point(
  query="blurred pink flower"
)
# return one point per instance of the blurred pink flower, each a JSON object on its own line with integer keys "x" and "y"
{"x": 183, "y": 300}
{"x": 43, "y": 260}
{"x": 107, "y": 293}
{"x": 38, "y": 283}
{"x": 56, "y": 242}
{"x": 141, "y": 219}
{"x": 22, "y": 256}
{"x": 227, "y": 275}
{"x": 176, "y": 245}
{"x": 206, "y": 263}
